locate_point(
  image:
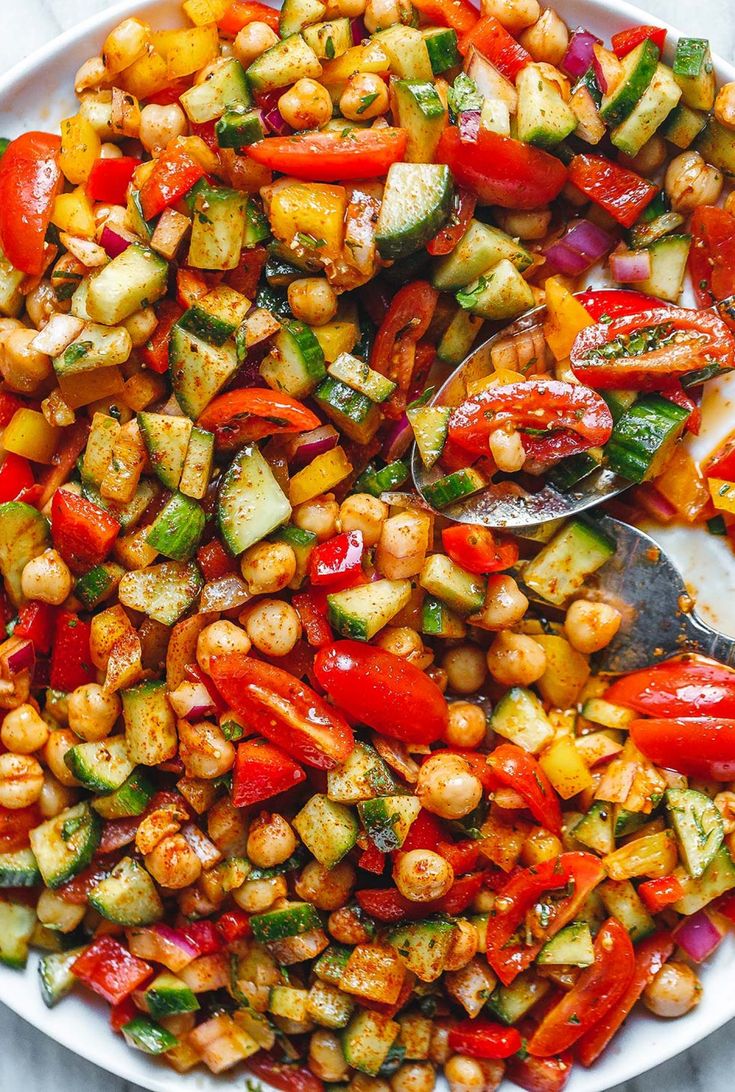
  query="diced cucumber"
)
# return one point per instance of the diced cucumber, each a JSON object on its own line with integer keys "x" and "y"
{"x": 519, "y": 716}
{"x": 251, "y": 502}
{"x": 543, "y": 117}
{"x": 360, "y": 377}
{"x": 368, "y": 1039}
{"x": 717, "y": 147}
{"x": 17, "y": 924}
{"x": 163, "y": 592}
{"x": 656, "y": 103}
{"x": 437, "y": 620}
{"x": 166, "y": 439}
{"x": 430, "y": 425}
{"x": 328, "y": 830}
{"x": 11, "y": 298}
{"x": 644, "y": 437}
{"x": 353, "y": 412}
{"x": 362, "y": 776}
{"x": 567, "y": 473}
{"x": 197, "y": 468}
{"x": 126, "y": 514}
{"x": 422, "y": 114}
{"x": 295, "y": 363}
{"x": 218, "y": 227}
{"x": 510, "y": 1003}
{"x": 239, "y": 127}
{"x": 572, "y": 945}
{"x": 288, "y": 921}
{"x": 576, "y": 551}
{"x": 288, "y": 1002}
{"x": 683, "y": 125}
{"x": 296, "y": 14}
{"x": 695, "y": 73}
{"x": 462, "y": 591}
{"x": 150, "y": 726}
{"x": 454, "y": 487}
{"x": 479, "y": 249}
{"x": 407, "y": 52}
{"x": 441, "y": 44}
{"x": 56, "y": 976}
{"x": 376, "y": 480}
{"x": 146, "y": 1035}
{"x": 167, "y": 995}
{"x": 668, "y": 267}
{"x": 131, "y": 798}
{"x": 362, "y": 611}
{"x": 198, "y": 370}
{"x": 627, "y": 822}
{"x": 19, "y": 869}
{"x": 100, "y": 766}
{"x": 501, "y": 293}
{"x": 287, "y": 61}
{"x": 24, "y": 534}
{"x": 387, "y": 820}
{"x": 329, "y": 1006}
{"x": 607, "y": 713}
{"x": 638, "y": 69}
{"x": 698, "y": 827}
{"x": 624, "y": 903}
{"x": 423, "y": 946}
{"x": 128, "y": 896}
{"x": 178, "y": 528}
{"x": 216, "y": 316}
{"x": 596, "y": 829}
{"x": 224, "y": 86}
{"x": 331, "y": 964}
{"x": 96, "y": 347}
{"x": 133, "y": 280}
{"x": 302, "y": 543}
{"x": 459, "y": 337}
{"x": 329, "y": 39}
{"x": 717, "y": 878}
{"x": 416, "y": 201}
{"x": 64, "y": 845}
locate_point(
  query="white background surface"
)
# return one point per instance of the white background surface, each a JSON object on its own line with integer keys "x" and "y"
{"x": 29, "y": 1062}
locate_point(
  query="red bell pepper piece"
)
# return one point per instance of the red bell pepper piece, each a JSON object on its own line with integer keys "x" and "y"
{"x": 262, "y": 770}
{"x": 463, "y": 856}
{"x": 484, "y": 1039}
{"x": 332, "y": 157}
{"x": 234, "y": 925}
{"x": 502, "y": 171}
{"x": 122, "y": 1014}
{"x": 625, "y": 41}
{"x": 283, "y": 1076}
{"x": 388, "y": 904}
{"x": 246, "y": 276}
{"x": 204, "y": 935}
{"x": 446, "y": 239}
{"x": 425, "y": 832}
{"x": 711, "y": 262}
{"x": 700, "y": 747}
{"x": 174, "y": 174}
{"x": 614, "y": 302}
{"x": 207, "y": 131}
{"x": 110, "y": 970}
{"x": 16, "y": 474}
{"x": 622, "y": 193}
{"x": 674, "y": 392}
{"x": 489, "y": 37}
{"x": 242, "y": 12}
{"x": 518, "y": 770}
{"x": 214, "y": 561}
{"x": 71, "y": 662}
{"x": 650, "y": 956}
{"x": 677, "y": 688}
{"x": 458, "y": 14}
{"x": 30, "y": 179}
{"x": 394, "y": 349}
{"x": 16, "y": 825}
{"x": 83, "y": 533}
{"x": 540, "y": 1074}
{"x": 311, "y": 608}
{"x": 109, "y": 179}
{"x": 477, "y": 762}
{"x": 383, "y": 691}
{"x": 508, "y": 957}
{"x": 36, "y": 621}
{"x": 169, "y": 94}
{"x": 68, "y": 451}
{"x": 658, "y": 894}
{"x": 372, "y": 860}
{"x": 190, "y": 287}
{"x": 155, "y": 351}
{"x": 478, "y": 549}
{"x": 253, "y": 413}
{"x": 722, "y": 464}
{"x": 9, "y": 404}
{"x": 335, "y": 563}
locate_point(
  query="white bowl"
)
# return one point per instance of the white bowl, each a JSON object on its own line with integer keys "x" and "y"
{"x": 37, "y": 94}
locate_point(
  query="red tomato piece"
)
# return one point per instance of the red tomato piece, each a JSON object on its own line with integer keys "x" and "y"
{"x": 311, "y": 608}
{"x": 336, "y": 562}
{"x": 285, "y": 1077}
{"x": 701, "y": 747}
{"x": 722, "y": 464}
{"x": 284, "y": 710}
{"x": 394, "y": 349}
{"x": 332, "y": 157}
{"x": 8, "y": 406}
{"x": 711, "y": 262}
{"x": 425, "y": 832}
{"x": 463, "y": 856}
{"x": 658, "y": 894}
{"x": 458, "y": 14}
{"x": 477, "y": 549}
{"x": 30, "y": 179}
{"x": 677, "y": 688}
{"x": 16, "y": 825}
{"x": 174, "y": 174}
{"x": 109, "y": 179}
{"x": 612, "y": 302}
{"x": 372, "y": 860}
{"x": 214, "y": 561}
{"x": 625, "y": 41}
{"x": 71, "y": 662}
{"x": 169, "y": 94}
{"x": 234, "y": 925}
{"x": 540, "y": 1074}
{"x": 383, "y": 691}
{"x": 246, "y": 276}
{"x": 446, "y": 239}
{"x": 242, "y": 12}
{"x": 388, "y": 904}
{"x": 253, "y": 413}
{"x": 484, "y": 1039}
{"x": 77, "y": 889}
{"x": 622, "y": 193}
{"x": 262, "y": 770}
{"x": 502, "y": 171}
{"x": 204, "y": 935}
{"x": 110, "y": 970}
{"x": 16, "y": 474}
{"x": 83, "y": 533}
{"x": 519, "y": 770}
{"x": 490, "y": 38}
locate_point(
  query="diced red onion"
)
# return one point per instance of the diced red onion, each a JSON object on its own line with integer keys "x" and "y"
{"x": 192, "y": 701}
{"x": 306, "y": 446}
{"x": 654, "y": 503}
{"x": 698, "y": 936}
{"x": 19, "y": 655}
{"x": 469, "y": 126}
{"x": 600, "y": 76}
{"x": 224, "y": 594}
{"x": 112, "y": 242}
{"x": 583, "y": 245}
{"x": 165, "y": 945}
{"x": 630, "y": 266}
{"x": 274, "y": 121}
{"x": 398, "y": 439}
{"x": 359, "y": 30}
{"x": 579, "y": 55}
{"x": 203, "y": 847}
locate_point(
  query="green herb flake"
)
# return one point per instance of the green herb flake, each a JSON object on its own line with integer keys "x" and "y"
{"x": 366, "y": 101}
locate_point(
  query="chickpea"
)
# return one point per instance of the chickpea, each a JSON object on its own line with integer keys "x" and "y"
{"x": 446, "y": 787}
{"x": 158, "y": 824}
{"x": 57, "y": 913}
{"x": 21, "y": 780}
{"x": 591, "y": 626}
{"x": 405, "y": 642}
{"x": 59, "y": 742}
{"x": 41, "y": 304}
{"x": 346, "y": 9}
{"x": 463, "y": 946}
{"x": 271, "y": 841}
{"x": 422, "y": 875}
{"x": 541, "y": 845}
{"x": 318, "y": 515}
{"x": 47, "y": 578}
{"x": 691, "y": 182}
{"x": 515, "y": 15}
{"x": 159, "y": 125}
{"x": 725, "y": 105}
{"x": 381, "y": 14}
{"x": 173, "y": 863}
{"x": 505, "y": 604}
{"x": 268, "y": 567}
{"x": 227, "y": 828}
{"x": 414, "y": 1077}
{"x": 465, "y": 668}
{"x": 365, "y": 97}
{"x": 54, "y": 797}
{"x": 23, "y": 368}
{"x": 274, "y": 627}
{"x": 507, "y": 450}
{"x": 218, "y": 639}
{"x": 515, "y": 659}
{"x": 464, "y": 1074}
{"x": 257, "y": 896}
{"x": 306, "y": 105}
{"x": 346, "y": 927}
{"x": 649, "y": 159}
{"x": 326, "y": 1059}
{"x": 674, "y": 991}
{"x": 730, "y": 203}
{"x": 141, "y": 325}
{"x": 24, "y": 730}
{"x": 363, "y": 512}
{"x": 93, "y": 712}
{"x": 326, "y": 888}
{"x": 547, "y": 39}
{"x": 531, "y": 224}
{"x": 253, "y": 40}
{"x": 312, "y": 300}
{"x": 91, "y": 74}
{"x": 362, "y": 1083}
{"x": 466, "y": 725}
{"x": 204, "y": 750}
{"x": 439, "y": 1044}
{"x": 725, "y": 804}
{"x": 110, "y": 151}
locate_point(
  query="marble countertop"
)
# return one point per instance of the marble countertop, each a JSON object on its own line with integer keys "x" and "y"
{"x": 24, "y": 26}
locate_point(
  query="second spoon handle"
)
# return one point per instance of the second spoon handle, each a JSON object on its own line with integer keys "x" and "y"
{"x": 701, "y": 637}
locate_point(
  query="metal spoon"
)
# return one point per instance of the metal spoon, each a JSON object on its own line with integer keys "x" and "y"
{"x": 501, "y": 508}
{"x": 658, "y": 620}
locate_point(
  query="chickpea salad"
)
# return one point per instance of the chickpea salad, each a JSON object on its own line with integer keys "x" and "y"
{"x": 298, "y": 774}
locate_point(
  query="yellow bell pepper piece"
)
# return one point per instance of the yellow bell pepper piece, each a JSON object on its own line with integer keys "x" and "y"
{"x": 83, "y": 388}
{"x": 502, "y": 377}
{"x": 566, "y": 671}
{"x": 202, "y": 12}
{"x": 311, "y": 216}
{"x": 565, "y": 768}
{"x": 146, "y": 77}
{"x": 29, "y": 434}
{"x": 319, "y": 476}
{"x": 654, "y": 855}
{"x": 565, "y": 317}
{"x": 80, "y": 148}
{"x": 684, "y": 486}
{"x": 73, "y": 212}
{"x": 722, "y": 494}
{"x": 361, "y": 58}
{"x": 186, "y": 51}
{"x": 335, "y": 337}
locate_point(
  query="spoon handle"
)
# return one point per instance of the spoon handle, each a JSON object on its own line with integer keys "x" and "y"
{"x": 710, "y": 642}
